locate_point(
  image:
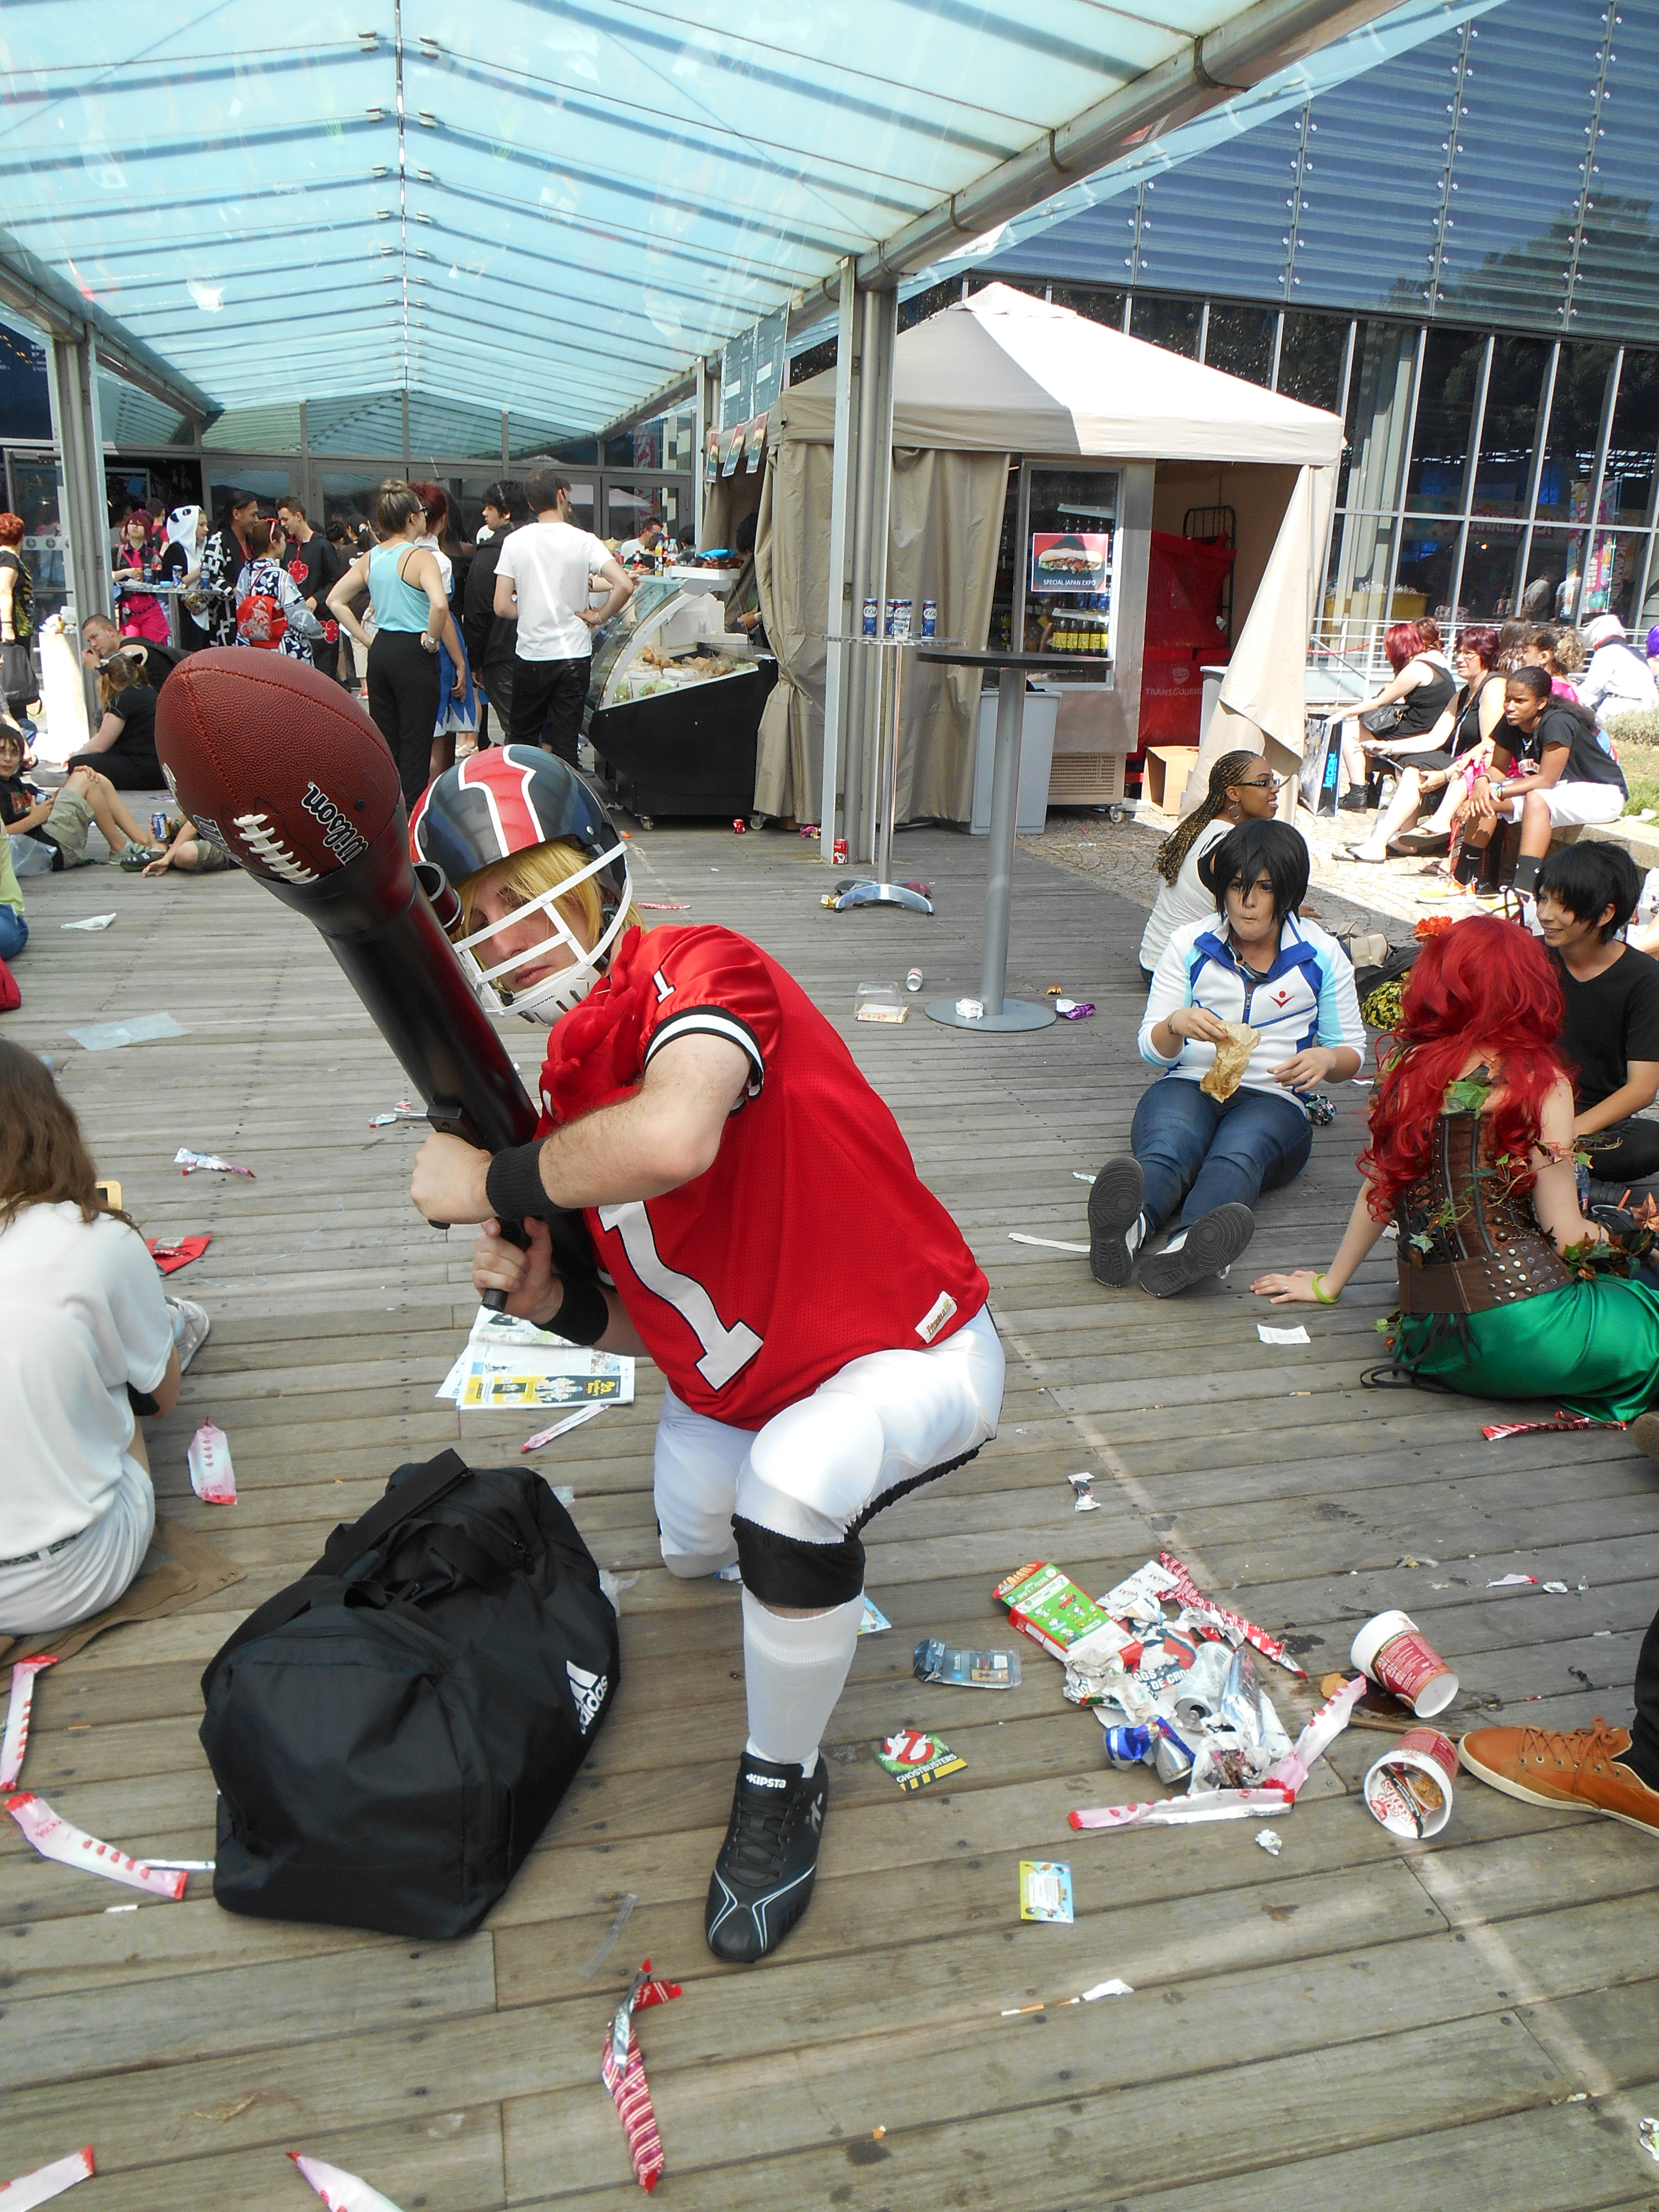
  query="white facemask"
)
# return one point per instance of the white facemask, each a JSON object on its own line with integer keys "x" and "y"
{"x": 554, "y": 995}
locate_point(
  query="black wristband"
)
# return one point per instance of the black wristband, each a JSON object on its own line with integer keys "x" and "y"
{"x": 515, "y": 1188}
{"x": 585, "y": 1315}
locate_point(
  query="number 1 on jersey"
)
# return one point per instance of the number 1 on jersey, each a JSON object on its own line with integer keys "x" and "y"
{"x": 725, "y": 1352}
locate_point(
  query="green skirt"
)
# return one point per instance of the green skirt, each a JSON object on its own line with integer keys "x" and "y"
{"x": 1592, "y": 1348}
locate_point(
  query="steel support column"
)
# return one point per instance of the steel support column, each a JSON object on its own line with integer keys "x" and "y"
{"x": 877, "y": 320}
{"x": 840, "y": 611}
{"x": 77, "y": 431}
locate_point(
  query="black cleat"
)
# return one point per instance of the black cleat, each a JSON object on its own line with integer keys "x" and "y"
{"x": 1213, "y": 1242}
{"x": 1114, "y": 1200}
{"x": 762, "y": 1878}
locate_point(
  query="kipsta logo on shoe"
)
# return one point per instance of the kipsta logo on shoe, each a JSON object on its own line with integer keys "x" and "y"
{"x": 764, "y": 1781}
{"x": 587, "y": 1692}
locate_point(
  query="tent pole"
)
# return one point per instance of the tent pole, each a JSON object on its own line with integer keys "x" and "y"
{"x": 840, "y": 611}
{"x": 877, "y": 330}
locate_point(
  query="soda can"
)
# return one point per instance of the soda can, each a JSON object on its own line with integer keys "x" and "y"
{"x": 898, "y": 617}
{"x": 840, "y": 850}
{"x": 1128, "y": 1746}
{"x": 912, "y": 981}
{"x": 158, "y": 826}
{"x": 930, "y": 617}
{"x": 869, "y": 618}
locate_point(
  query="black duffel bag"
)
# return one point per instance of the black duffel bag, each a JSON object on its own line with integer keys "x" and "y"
{"x": 391, "y": 1733}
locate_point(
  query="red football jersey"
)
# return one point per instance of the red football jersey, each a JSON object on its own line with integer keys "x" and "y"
{"x": 811, "y": 1240}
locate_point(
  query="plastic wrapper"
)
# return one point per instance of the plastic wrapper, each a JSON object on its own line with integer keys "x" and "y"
{"x": 1270, "y": 1841}
{"x": 879, "y": 1002}
{"x": 1084, "y": 1485}
{"x": 917, "y": 1760}
{"x": 559, "y": 1428}
{"x": 212, "y": 1477}
{"x": 172, "y": 1253}
{"x": 1190, "y": 1596}
{"x": 1073, "y": 1010}
{"x": 1499, "y": 1430}
{"x": 1184, "y": 1812}
{"x": 873, "y": 1621}
{"x": 1232, "y": 1056}
{"x": 1319, "y": 1109}
{"x": 935, "y": 1662}
{"x": 54, "y": 1838}
{"x": 16, "y": 1740}
{"x": 47, "y": 2181}
{"x": 340, "y": 2190}
{"x": 199, "y": 1162}
{"x": 1103, "y": 1681}
{"x": 622, "y": 2068}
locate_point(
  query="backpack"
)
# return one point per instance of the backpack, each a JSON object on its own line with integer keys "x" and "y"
{"x": 391, "y": 1733}
{"x": 260, "y": 620}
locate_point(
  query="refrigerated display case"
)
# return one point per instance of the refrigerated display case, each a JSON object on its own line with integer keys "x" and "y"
{"x": 674, "y": 703}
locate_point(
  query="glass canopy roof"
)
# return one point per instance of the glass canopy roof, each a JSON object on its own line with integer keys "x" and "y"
{"x": 538, "y": 204}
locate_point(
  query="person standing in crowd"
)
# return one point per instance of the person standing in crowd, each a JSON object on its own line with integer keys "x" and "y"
{"x": 342, "y": 539}
{"x": 1423, "y": 690}
{"x": 17, "y": 677}
{"x": 1256, "y": 963}
{"x": 1241, "y": 785}
{"x": 314, "y": 568}
{"x": 543, "y": 578}
{"x": 270, "y": 614}
{"x": 491, "y": 640}
{"x": 223, "y": 558}
{"x": 138, "y": 561}
{"x": 181, "y": 564}
{"x": 411, "y": 619}
{"x": 646, "y": 547}
{"x": 743, "y": 606}
{"x": 458, "y": 705}
{"x": 1586, "y": 896}
{"x": 1549, "y": 771}
{"x": 123, "y": 747}
{"x": 1618, "y": 680}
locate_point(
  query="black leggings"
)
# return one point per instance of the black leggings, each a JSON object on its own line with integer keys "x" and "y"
{"x": 403, "y": 698}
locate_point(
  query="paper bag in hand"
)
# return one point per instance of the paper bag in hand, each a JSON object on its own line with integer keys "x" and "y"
{"x": 1232, "y": 1056}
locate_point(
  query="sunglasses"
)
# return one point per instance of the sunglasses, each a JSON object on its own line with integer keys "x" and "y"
{"x": 1260, "y": 783}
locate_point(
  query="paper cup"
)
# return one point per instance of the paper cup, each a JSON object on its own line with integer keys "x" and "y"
{"x": 1409, "y": 1790}
{"x": 1391, "y": 1650}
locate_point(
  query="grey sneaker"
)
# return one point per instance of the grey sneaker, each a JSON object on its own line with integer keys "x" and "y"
{"x": 1209, "y": 1247}
{"x": 190, "y": 1329}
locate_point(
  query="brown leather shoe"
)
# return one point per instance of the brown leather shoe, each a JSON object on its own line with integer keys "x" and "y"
{"x": 1644, "y": 1434}
{"x": 1578, "y": 1767}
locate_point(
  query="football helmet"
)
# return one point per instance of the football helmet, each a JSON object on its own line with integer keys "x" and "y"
{"x": 509, "y": 798}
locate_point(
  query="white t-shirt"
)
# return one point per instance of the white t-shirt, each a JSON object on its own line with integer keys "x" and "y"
{"x": 1185, "y": 899}
{"x": 82, "y": 1315}
{"x": 550, "y": 564}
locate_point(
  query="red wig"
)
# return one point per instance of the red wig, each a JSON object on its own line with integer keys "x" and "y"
{"x": 434, "y": 500}
{"x": 1402, "y": 642}
{"x": 1484, "y": 987}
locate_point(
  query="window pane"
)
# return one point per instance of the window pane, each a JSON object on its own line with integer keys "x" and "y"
{"x": 226, "y": 478}
{"x": 1627, "y": 491}
{"x": 371, "y": 424}
{"x": 1492, "y": 563}
{"x": 1428, "y": 553}
{"x": 1613, "y": 579}
{"x": 1359, "y": 568}
{"x": 1509, "y": 435}
{"x": 629, "y": 506}
{"x": 1099, "y": 305}
{"x": 1445, "y": 413}
{"x": 348, "y": 493}
{"x": 34, "y": 490}
{"x": 1310, "y": 358}
{"x": 1253, "y": 177}
{"x": 1379, "y": 401}
{"x": 1614, "y": 290}
{"x": 1170, "y": 323}
{"x": 1568, "y": 471}
{"x": 1553, "y": 568}
{"x": 911, "y": 311}
{"x": 1240, "y": 341}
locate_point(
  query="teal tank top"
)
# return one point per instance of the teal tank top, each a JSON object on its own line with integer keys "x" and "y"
{"x": 398, "y": 606}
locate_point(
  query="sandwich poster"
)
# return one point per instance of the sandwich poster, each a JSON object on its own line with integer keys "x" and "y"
{"x": 1071, "y": 560}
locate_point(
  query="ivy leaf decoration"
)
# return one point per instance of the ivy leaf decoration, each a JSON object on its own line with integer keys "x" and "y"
{"x": 1422, "y": 1241}
{"x": 1467, "y": 1095}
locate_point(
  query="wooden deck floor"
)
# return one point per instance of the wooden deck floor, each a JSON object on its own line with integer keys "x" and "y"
{"x": 1354, "y": 2020}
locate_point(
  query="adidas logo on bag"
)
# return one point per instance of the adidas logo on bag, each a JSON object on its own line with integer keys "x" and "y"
{"x": 587, "y": 1693}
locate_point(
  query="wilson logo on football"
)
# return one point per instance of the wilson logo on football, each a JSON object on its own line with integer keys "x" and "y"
{"x": 340, "y": 833}
{"x": 587, "y": 1693}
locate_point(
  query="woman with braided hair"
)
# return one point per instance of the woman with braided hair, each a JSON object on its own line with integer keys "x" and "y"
{"x": 1243, "y": 787}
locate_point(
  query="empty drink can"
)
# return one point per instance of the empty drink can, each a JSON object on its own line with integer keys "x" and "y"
{"x": 930, "y": 617}
{"x": 1129, "y": 1746}
{"x": 869, "y": 618}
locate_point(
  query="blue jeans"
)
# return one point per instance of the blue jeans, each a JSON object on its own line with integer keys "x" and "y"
{"x": 1212, "y": 1151}
{"x": 13, "y": 932}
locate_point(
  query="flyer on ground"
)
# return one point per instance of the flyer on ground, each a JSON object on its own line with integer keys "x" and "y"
{"x": 1045, "y": 1890}
{"x": 511, "y": 1364}
{"x": 915, "y": 1759}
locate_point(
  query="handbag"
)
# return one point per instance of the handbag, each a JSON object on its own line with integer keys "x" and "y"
{"x": 392, "y": 1733}
{"x": 1382, "y": 720}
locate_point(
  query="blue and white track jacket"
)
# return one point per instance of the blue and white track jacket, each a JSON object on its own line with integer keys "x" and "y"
{"x": 1307, "y": 998}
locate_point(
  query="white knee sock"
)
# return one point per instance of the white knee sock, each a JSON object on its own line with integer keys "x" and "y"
{"x": 793, "y": 1671}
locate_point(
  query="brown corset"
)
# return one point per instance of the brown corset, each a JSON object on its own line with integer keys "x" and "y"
{"x": 1488, "y": 1250}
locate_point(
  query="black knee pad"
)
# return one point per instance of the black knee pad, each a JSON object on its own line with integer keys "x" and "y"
{"x": 785, "y": 1570}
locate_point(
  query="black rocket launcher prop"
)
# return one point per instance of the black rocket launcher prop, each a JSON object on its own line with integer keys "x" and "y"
{"x": 280, "y": 768}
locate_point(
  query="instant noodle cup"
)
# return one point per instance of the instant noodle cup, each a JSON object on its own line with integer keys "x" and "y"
{"x": 1395, "y": 1653}
{"x": 1409, "y": 1790}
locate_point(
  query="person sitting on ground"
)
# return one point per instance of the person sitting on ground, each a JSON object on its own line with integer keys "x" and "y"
{"x": 1242, "y": 786}
{"x": 1618, "y": 680}
{"x": 187, "y": 848}
{"x": 124, "y": 747}
{"x": 1549, "y": 771}
{"x": 1477, "y": 711}
{"x": 46, "y": 832}
{"x": 1471, "y": 1157}
{"x": 270, "y": 614}
{"x": 100, "y": 638}
{"x": 1610, "y": 1037}
{"x": 1256, "y": 961}
{"x": 1423, "y": 689}
{"x": 87, "y": 1341}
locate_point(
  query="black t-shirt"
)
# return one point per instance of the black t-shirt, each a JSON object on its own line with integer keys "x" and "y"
{"x": 1611, "y": 1020}
{"x": 1586, "y": 762}
{"x": 316, "y": 568}
{"x": 16, "y": 798}
{"x": 137, "y": 708}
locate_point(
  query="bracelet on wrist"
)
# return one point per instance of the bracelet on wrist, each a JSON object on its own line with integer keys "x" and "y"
{"x": 1323, "y": 1297}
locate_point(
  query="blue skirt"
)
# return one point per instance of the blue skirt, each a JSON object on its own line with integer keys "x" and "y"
{"x": 455, "y": 711}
